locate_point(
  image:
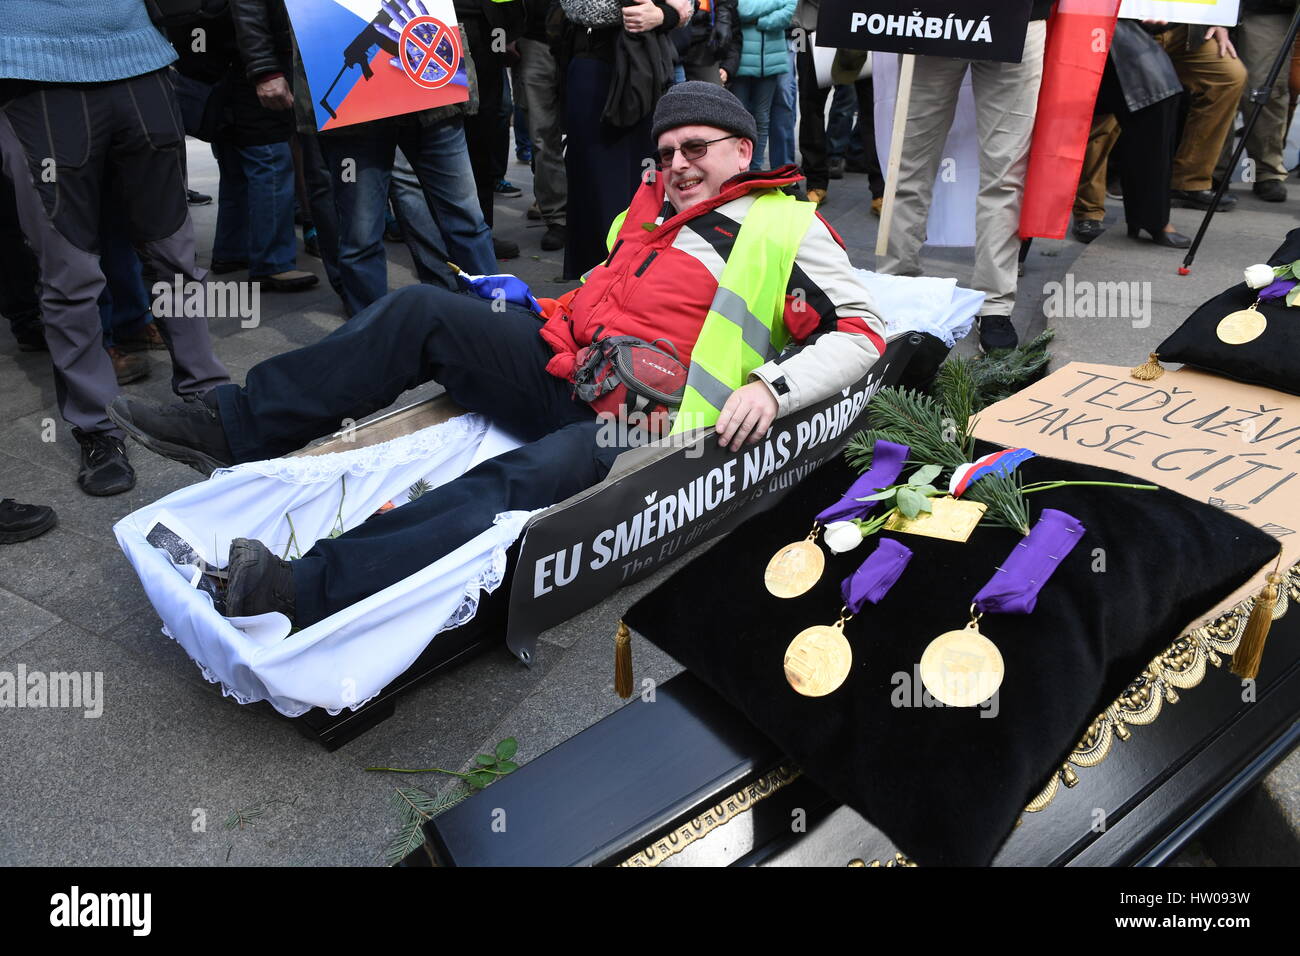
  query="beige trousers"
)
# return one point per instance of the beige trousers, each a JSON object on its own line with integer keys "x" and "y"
{"x": 1006, "y": 99}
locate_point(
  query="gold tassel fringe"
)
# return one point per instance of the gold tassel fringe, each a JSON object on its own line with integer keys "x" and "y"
{"x": 1245, "y": 660}
{"x": 1150, "y": 369}
{"x": 623, "y": 661}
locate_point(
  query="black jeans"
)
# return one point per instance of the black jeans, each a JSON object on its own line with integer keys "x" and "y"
{"x": 490, "y": 362}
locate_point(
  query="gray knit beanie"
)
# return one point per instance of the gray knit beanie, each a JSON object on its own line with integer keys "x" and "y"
{"x": 697, "y": 103}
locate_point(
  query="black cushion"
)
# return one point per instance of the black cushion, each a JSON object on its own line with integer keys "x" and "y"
{"x": 947, "y": 784}
{"x": 1272, "y": 359}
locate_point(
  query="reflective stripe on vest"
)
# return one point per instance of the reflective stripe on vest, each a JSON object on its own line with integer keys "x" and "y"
{"x": 745, "y": 326}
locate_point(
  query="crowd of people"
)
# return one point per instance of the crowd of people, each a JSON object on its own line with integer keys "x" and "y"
{"x": 96, "y": 104}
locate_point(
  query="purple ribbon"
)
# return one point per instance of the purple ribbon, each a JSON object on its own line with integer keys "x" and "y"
{"x": 1014, "y": 587}
{"x": 876, "y": 575}
{"x": 886, "y": 465}
{"x": 1276, "y": 289}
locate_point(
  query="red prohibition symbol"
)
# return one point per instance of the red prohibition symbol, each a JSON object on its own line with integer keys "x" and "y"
{"x": 430, "y": 52}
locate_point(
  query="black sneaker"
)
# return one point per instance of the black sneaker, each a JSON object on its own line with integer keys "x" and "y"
{"x": 506, "y": 188}
{"x": 195, "y": 198}
{"x": 996, "y": 333}
{"x": 556, "y": 237}
{"x": 104, "y": 468}
{"x": 1270, "y": 190}
{"x": 257, "y": 581}
{"x": 21, "y": 522}
{"x": 189, "y": 432}
{"x": 1086, "y": 230}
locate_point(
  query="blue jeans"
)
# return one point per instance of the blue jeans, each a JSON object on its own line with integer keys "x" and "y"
{"x": 361, "y": 164}
{"x": 124, "y": 303}
{"x": 781, "y": 129}
{"x": 840, "y": 126}
{"x": 757, "y": 93}
{"x": 255, "y": 207}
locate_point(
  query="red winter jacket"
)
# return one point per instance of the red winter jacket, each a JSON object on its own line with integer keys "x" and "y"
{"x": 661, "y": 275}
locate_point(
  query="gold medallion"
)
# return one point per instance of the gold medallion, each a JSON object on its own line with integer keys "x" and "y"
{"x": 962, "y": 668}
{"x": 795, "y": 568}
{"x": 952, "y": 519}
{"x": 1238, "y": 328}
{"x": 818, "y": 659}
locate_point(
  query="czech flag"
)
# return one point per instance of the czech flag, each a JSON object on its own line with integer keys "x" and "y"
{"x": 999, "y": 463}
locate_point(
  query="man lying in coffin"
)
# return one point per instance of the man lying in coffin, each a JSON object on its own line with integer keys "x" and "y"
{"x": 702, "y": 238}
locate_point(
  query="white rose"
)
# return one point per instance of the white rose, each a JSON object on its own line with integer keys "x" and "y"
{"x": 1259, "y": 275}
{"x": 841, "y": 536}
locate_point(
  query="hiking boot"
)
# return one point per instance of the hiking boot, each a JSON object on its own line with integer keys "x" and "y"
{"x": 257, "y": 581}
{"x": 104, "y": 468}
{"x": 128, "y": 367}
{"x": 189, "y": 432}
{"x": 21, "y": 522}
{"x": 555, "y": 238}
{"x": 996, "y": 333}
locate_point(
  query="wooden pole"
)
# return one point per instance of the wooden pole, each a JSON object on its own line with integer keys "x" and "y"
{"x": 895, "y": 150}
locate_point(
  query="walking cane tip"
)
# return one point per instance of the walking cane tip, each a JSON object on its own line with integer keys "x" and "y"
{"x": 1184, "y": 271}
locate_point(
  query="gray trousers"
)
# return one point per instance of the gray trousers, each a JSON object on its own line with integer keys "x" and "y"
{"x": 126, "y": 129}
{"x": 1006, "y": 99}
{"x": 1257, "y": 40}
{"x": 541, "y": 81}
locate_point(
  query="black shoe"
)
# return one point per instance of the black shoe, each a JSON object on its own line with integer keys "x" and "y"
{"x": 556, "y": 237}
{"x": 22, "y": 522}
{"x": 997, "y": 332}
{"x": 507, "y": 189}
{"x": 189, "y": 432}
{"x": 534, "y": 212}
{"x": 104, "y": 468}
{"x": 196, "y": 198}
{"x": 222, "y": 266}
{"x": 1202, "y": 199}
{"x": 505, "y": 249}
{"x": 835, "y": 167}
{"x": 257, "y": 581}
{"x": 1174, "y": 240}
{"x": 311, "y": 243}
{"x": 1270, "y": 190}
{"x": 1086, "y": 230}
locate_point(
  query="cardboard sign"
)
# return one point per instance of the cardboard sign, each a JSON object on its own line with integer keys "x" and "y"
{"x": 1217, "y": 13}
{"x": 1231, "y": 445}
{"x": 364, "y": 63}
{"x": 655, "y": 507}
{"x": 964, "y": 29}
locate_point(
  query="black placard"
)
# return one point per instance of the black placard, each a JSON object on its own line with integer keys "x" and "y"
{"x": 575, "y": 556}
{"x": 964, "y": 29}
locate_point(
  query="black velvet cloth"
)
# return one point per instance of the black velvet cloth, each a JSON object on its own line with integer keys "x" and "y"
{"x": 1272, "y": 360}
{"x": 947, "y": 784}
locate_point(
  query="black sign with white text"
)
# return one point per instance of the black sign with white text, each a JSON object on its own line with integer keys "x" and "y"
{"x": 963, "y": 29}
{"x": 575, "y": 556}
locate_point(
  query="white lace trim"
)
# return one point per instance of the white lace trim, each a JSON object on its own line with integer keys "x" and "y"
{"x": 426, "y": 443}
{"x": 486, "y": 581}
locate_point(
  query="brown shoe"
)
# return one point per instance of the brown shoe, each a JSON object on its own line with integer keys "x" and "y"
{"x": 877, "y": 205}
{"x": 127, "y": 366}
{"x": 151, "y": 341}
{"x": 816, "y": 196}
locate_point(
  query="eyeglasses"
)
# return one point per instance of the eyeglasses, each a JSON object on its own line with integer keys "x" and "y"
{"x": 691, "y": 149}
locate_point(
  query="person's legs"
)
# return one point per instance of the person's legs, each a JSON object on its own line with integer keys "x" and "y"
{"x": 20, "y": 300}
{"x": 481, "y": 131}
{"x": 272, "y": 247}
{"x": 781, "y": 128}
{"x": 320, "y": 199}
{"x": 755, "y": 93}
{"x": 420, "y": 233}
{"x": 1214, "y": 85}
{"x": 541, "y": 81}
{"x": 489, "y": 362}
{"x": 231, "y": 239}
{"x": 359, "y": 167}
{"x": 437, "y": 154}
{"x": 1258, "y": 39}
{"x": 936, "y": 81}
{"x": 1006, "y": 100}
{"x": 812, "y": 124}
{"x": 338, "y": 572}
{"x": 865, "y": 128}
{"x": 839, "y": 127}
{"x": 1090, "y": 201}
